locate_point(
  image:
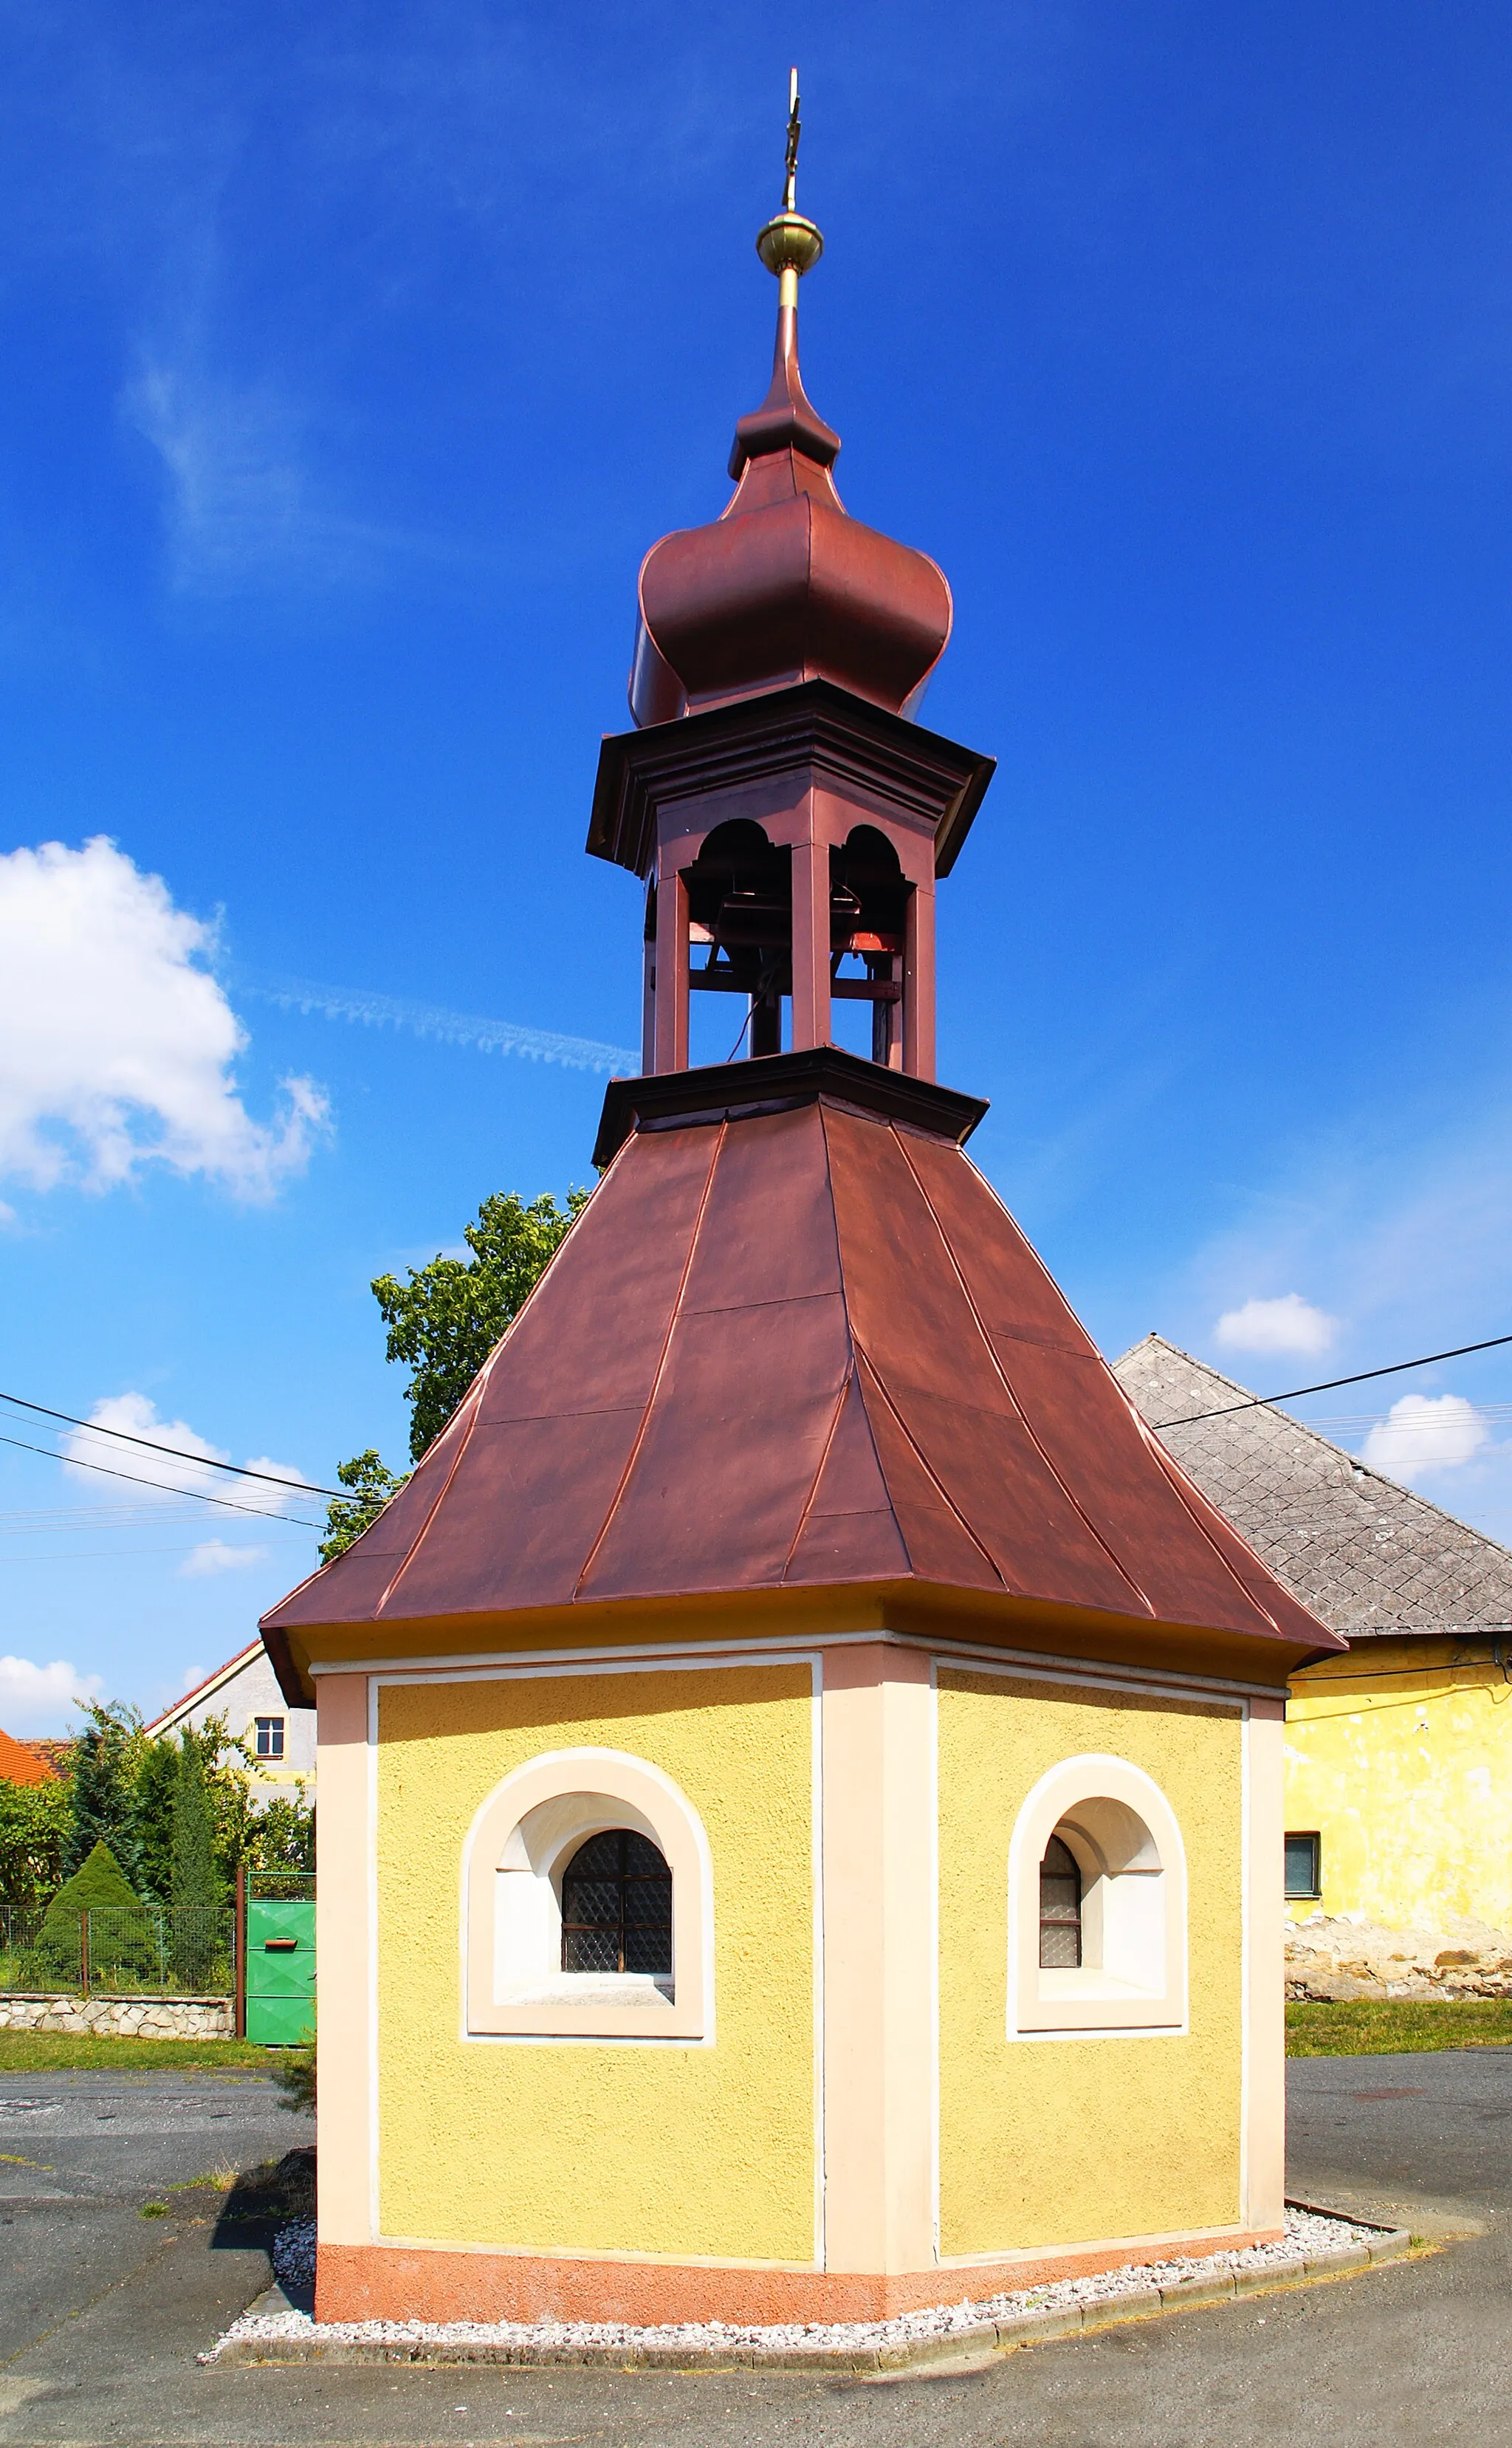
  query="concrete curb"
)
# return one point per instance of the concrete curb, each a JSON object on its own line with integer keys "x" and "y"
{"x": 984, "y": 2339}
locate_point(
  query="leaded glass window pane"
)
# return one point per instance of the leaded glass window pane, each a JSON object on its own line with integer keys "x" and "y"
{"x": 617, "y": 1907}
{"x": 1060, "y": 1908}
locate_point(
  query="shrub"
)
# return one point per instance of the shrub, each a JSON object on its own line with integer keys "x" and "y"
{"x": 34, "y": 1822}
{"x": 294, "y": 2072}
{"x": 99, "y": 1885}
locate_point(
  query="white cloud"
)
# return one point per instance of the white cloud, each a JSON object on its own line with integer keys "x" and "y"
{"x": 135, "y": 1415}
{"x": 1290, "y": 1324}
{"x": 115, "y": 1047}
{"x": 1425, "y": 1432}
{"x": 214, "y": 1556}
{"x": 273, "y": 1470}
{"x": 35, "y": 1699}
{"x": 244, "y": 508}
{"x": 237, "y": 492}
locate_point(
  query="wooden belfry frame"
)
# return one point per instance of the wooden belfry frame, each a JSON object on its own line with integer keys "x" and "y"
{"x": 811, "y": 765}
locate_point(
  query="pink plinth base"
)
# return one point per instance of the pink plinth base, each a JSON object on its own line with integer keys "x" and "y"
{"x": 401, "y": 2282}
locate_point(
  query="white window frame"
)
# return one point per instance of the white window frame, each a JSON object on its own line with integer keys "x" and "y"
{"x": 521, "y": 1839}
{"x": 1127, "y": 1845}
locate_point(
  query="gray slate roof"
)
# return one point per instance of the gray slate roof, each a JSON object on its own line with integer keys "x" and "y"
{"x": 1365, "y": 1555}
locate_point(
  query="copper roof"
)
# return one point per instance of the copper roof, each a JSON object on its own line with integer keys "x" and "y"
{"x": 790, "y": 1349}
{"x": 1365, "y": 1555}
{"x": 785, "y": 586}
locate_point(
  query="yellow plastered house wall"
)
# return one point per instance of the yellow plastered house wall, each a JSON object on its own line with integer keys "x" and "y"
{"x": 1400, "y": 1757}
{"x": 595, "y": 2147}
{"x": 1053, "y": 2142}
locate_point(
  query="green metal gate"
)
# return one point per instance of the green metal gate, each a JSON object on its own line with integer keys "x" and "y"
{"x": 280, "y": 1969}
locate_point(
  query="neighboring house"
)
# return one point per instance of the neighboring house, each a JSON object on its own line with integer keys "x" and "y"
{"x": 245, "y": 1692}
{"x": 27, "y": 1763}
{"x": 1399, "y": 1758}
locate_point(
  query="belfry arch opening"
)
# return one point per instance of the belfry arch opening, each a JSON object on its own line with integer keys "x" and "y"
{"x": 869, "y": 917}
{"x": 739, "y": 891}
{"x": 798, "y": 933}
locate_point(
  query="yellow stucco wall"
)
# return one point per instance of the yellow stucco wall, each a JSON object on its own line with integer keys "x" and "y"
{"x": 661, "y": 2149}
{"x": 1051, "y": 2142}
{"x": 1401, "y": 1758}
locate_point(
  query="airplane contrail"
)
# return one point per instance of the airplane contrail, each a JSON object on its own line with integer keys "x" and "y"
{"x": 433, "y": 1020}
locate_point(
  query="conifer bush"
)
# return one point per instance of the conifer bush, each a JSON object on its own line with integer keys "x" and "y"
{"x": 99, "y": 1887}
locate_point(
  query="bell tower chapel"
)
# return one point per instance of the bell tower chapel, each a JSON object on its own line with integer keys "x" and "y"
{"x": 799, "y": 1765}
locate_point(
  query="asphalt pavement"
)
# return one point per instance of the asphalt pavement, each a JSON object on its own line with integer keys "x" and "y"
{"x": 103, "y": 2310}
{"x": 82, "y": 2155}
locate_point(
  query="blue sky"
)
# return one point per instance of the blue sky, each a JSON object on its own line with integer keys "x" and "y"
{"x": 353, "y": 358}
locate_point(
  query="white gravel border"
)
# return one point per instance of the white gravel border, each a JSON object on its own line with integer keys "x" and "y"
{"x": 1317, "y": 2243}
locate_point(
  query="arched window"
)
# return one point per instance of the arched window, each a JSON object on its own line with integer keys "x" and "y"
{"x": 1097, "y": 1904}
{"x": 617, "y": 1907}
{"x": 1060, "y": 1908}
{"x": 588, "y": 1905}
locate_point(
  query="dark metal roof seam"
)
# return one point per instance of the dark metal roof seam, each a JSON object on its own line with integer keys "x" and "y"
{"x": 721, "y": 1133}
{"x": 1006, "y": 1384}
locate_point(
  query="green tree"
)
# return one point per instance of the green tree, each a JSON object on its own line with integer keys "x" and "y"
{"x": 372, "y": 1483}
{"x": 446, "y": 1319}
{"x": 226, "y": 1764}
{"x": 195, "y": 1878}
{"x": 283, "y": 1837}
{"x": 225, "y": 1769}
{"x": 445, "y": 1322}
{"x": 156, "y": 1789}
{"x": 35, "y": 1825}
{"x": 102, "y": 1787}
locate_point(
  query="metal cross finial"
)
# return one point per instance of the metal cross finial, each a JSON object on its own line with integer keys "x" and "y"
{"x": 789, "y": 245}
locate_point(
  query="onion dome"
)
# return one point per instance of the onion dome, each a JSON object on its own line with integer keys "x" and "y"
{"x": 785, "y": 587}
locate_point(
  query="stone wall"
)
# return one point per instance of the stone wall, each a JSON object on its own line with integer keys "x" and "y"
{"x": 121, "y": 2018}
{"x": 1345, "y": 1957}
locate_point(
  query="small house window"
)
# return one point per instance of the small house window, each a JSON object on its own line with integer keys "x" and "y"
{"x": 1304, "y": 1864}
{"x": 1060, "y": 1908}
{"x": 617, "y": 1907}
{"x": 270, "y": 1737}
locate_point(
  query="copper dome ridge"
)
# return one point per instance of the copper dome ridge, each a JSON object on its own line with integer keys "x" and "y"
{"x": 785, "y": 587}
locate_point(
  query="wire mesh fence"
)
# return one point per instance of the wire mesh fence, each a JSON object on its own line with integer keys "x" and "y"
{"x": 118, "y": 1951}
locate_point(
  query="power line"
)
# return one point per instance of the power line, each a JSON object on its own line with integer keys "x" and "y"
{"x": 226, "y": 1504}
{"x": 205, "y": 1461}
{"x": 99, "y": 1555}
{"x": 1394, "y": 1369}
{"x": 40, "y": 1521}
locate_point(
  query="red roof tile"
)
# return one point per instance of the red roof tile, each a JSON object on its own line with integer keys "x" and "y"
{"x": 26, "y": 1763}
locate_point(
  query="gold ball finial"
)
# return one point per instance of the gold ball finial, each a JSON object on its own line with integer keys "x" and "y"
{"x": 790, "y": 244}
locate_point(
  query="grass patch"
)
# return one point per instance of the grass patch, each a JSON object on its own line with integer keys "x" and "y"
{"x": 77, "y": 2053}
{"x": 1377, "y": 2027}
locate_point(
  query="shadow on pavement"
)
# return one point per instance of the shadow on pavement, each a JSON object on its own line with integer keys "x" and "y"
{"x": 261, "y": 2201}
